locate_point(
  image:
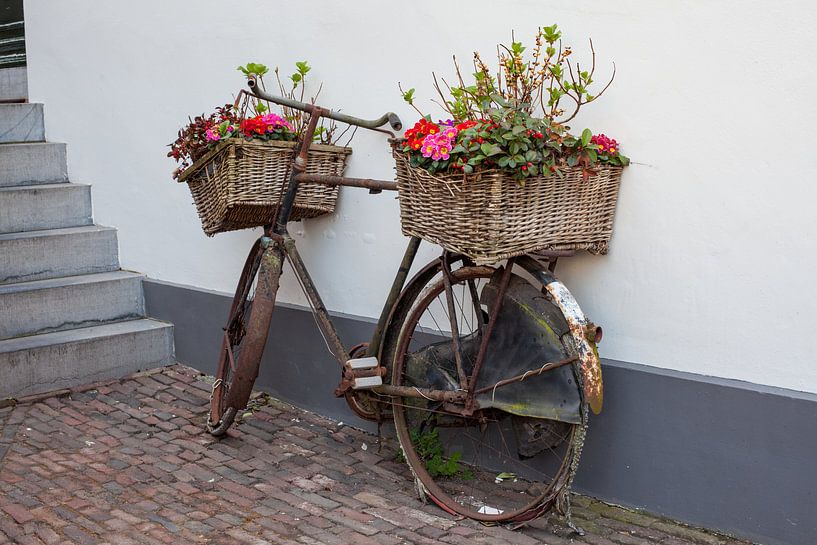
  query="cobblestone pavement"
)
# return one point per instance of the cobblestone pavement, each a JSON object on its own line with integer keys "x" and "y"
{"x": 128, "y": 462}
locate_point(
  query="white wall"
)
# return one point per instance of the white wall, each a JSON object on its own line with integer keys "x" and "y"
{"x": 713, "y": 257}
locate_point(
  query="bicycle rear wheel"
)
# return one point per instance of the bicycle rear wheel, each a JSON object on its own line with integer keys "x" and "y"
{"x": 244, "y": 336}
{"x": 509, "y": 460}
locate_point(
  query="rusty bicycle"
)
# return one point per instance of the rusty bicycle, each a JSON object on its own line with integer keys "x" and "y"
{"x": 486, "y": 371}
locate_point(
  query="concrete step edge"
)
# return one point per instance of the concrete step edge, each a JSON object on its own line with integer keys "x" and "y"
{"x": 62, "y": 231}
{"x": 66, "y": 281}
{"x": 81, "y": 335}
{"x": 22, "y": 122}
{"x": 44, "y": 186}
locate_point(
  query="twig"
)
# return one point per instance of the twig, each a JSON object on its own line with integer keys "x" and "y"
{"x": 416, "y": 109}
{"x": 444, "y": 105}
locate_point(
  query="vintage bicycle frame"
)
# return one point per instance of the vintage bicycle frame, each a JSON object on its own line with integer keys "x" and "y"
{"x": 277, "y": 239}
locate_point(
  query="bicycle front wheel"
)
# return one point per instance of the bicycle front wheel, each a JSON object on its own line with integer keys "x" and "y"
{"x": 244, "y": 336}
{"x": 510, "y": 458}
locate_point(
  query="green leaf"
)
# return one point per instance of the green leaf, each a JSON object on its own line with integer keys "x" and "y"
{"x": 587, "y": 134}
{"x": 254, "y": 68}
{"x": 533, "y": 170}
{"x": 468, "y": 169}
{"x": 531, "y": 155}
{"x": 500, "y": 100}
{"x": 573, "y": 160}
{"x": 296, "y": 77}
{"x": 486, "y": 148}
{"x": 303, "y": 67}
{"x": 503, "y": 161}
{"x": 591, "y": 153}
{"x": 495, "y": 150}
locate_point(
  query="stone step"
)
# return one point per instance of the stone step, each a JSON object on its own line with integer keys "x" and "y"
{"x": 21, "y": 123}
{"x": 57, "y": 304}
{"x": 63, "y": 359}
{"x": 32, "y": 163}
{"x": 14, "y": 84}
{"x": 53, "y": 253}
{"x": 44, "y": 206}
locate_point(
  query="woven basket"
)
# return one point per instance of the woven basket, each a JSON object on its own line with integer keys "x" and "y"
{"x": 239, "y": 183}
{"x": 488, "y": 216}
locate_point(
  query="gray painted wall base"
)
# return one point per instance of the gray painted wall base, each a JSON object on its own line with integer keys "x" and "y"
{"x": 721, "y": 454}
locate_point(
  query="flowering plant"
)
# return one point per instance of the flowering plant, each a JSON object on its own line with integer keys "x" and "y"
{"x": 248, "y": 118}
{"x": 513, "y": 120}
{"x": 204, "y": 132}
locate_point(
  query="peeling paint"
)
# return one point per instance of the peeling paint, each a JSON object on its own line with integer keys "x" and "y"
{"x": 588, "y": 354}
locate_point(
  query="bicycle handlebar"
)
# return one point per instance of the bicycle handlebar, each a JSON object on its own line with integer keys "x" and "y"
{"x": 389, "y": 117}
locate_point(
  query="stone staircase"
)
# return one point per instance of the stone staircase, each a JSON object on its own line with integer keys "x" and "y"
{"x": 68, "y": 314}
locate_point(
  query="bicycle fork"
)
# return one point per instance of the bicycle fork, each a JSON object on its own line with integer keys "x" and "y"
{"x": 249, "y": 360}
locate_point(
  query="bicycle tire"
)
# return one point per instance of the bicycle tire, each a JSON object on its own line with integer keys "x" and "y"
{"x": 430, "y": 433}
{"x": 244, "y": 336}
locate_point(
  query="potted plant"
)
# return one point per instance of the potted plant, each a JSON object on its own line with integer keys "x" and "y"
{"x": 237, "y": 160}
{"x": 504, "y": 176}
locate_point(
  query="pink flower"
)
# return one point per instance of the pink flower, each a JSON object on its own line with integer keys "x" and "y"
{"x": 605, "y": 144}
{"x": 437, "y": 146}
{"x": 275, "y": 121}
{"x": 213, "y": 135}
{"x": 444, "y": 149}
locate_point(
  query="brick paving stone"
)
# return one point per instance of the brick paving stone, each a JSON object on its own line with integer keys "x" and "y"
{"x": 128, "y": 462}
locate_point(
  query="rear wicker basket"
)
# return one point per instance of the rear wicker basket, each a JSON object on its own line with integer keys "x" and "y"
{"x": 239, "y": 183}
{"x": 488, "y": 216}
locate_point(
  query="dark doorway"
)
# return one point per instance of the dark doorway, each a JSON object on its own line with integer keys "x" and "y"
{"x": 12, "y": 34}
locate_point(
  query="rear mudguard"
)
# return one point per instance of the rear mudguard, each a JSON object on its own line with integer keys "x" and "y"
{"x": 578, "y": 324}
{"x": 581, "y": 329}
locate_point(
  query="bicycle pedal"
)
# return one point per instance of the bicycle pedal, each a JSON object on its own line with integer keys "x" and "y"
{"x": 357, "y": 364}
{"x": 363, "y": 383}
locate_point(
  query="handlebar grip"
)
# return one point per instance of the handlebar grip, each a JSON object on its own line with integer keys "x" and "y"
{"x": 395, "y": 122}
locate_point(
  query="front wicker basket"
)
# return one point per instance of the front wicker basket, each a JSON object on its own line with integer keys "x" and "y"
{"x": 239, "y": 183}
{"x": 489, "y": 216}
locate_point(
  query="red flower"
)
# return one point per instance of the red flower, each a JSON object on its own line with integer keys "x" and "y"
{"x": 605, "y": 144}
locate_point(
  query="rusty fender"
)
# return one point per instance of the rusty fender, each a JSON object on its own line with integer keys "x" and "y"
{"x": 585, "y": 334}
